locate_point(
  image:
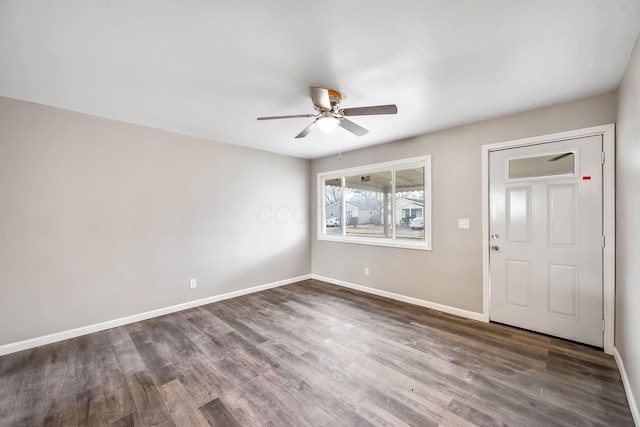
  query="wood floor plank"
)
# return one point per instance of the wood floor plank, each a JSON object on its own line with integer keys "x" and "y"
{"x": 201, "y": 334}
{"x": 481, "y": 415}
{"x": 449, "y": 419}
{"x": 516, "y": 404}
{"x": 31, "y": 404}
{"x": 238, "y": 399}
{"x": 218, "y": 415}
{"x": 182, "y": 409}
{"x": 7, "y": 412}
{"x": 150, "y": 407}
{"x": 62, "y": 373}
{"x": 288, "y": 410}
{"x": 127, "y": 354}
{"x": 315, "y": 354}
{"x": 198, "y": 383}
{"x": 562, "y": 390}
{"x": 262, "y": 398}
{"x": 87, "y": 374}
{"x": 61, "y": 412}
{"x": 291, "y": 385}
{"x": 118, "y": 400}
{"x": 91, "y": 408}
{"x": 11, "y": 373}
{"x": 404, "y": 410}
{"x": 117, "y": 396}
{"x": 378, "y": 416}
{"x": 126, "y": 421}
{"x": 180, "y": 346}
{"x": 150, "y": 352}
{"x": 239, "y": 327}
{"x": 339, "y": 400}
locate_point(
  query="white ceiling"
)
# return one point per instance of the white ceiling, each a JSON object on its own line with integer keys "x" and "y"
{"x": 209, "y": 68}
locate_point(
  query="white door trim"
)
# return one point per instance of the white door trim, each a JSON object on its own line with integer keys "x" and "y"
{"x": 608, "y": 200}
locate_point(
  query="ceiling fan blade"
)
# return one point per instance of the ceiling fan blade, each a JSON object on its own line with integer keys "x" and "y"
{"x": 295, "y": 116}
{"x": 320, "y": 97}
{"x": 561, "y": 156}
{"x": 352, "y": 127}
{"x": 369, "y": 111}
{"x": 306, "y": 131}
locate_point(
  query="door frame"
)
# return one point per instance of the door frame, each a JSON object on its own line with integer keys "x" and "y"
{"x": 608, "y": 216}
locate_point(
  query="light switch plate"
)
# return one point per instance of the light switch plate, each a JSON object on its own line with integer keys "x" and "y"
{"x": 464, "y": 224}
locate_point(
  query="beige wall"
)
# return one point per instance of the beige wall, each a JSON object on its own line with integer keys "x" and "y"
{"x": 450, "y": 274}
{"x": 628, "y": 224}
{"x": 101, "y": 219}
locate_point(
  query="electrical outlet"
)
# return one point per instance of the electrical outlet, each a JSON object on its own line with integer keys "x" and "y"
{"x": 464, "y": 224}
{"x": 193, "y": 283}
{"x": 366, "y": 271}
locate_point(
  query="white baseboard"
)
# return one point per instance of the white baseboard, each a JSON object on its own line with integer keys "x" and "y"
{"x": 415, "y": 301}
{"x": 627, "y": 387}
{"x": 97, "y": 327}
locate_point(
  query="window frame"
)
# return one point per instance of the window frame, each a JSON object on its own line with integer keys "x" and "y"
{"x": 392, "y": 166}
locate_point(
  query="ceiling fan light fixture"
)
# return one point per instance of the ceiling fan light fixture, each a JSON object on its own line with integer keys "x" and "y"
{"x": 328, "y": 114}
{"x": 328, "y": 123}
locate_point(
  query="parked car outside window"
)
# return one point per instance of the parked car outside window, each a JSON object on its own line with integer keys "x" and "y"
{"x": 333, "y": 222}
{"x": 417, "y": 223}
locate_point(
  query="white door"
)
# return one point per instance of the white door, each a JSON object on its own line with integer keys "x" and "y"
{"x": 546, "y": 238}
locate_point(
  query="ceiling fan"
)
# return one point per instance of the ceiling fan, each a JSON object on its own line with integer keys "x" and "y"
{"x": 329, "y": 115}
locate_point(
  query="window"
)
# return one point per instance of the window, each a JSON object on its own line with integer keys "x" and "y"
{"x": 386, "y": 204}
{"x": 542, "y": 166}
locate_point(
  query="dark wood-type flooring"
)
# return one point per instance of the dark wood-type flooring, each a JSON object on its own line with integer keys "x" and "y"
{"x": 311, "y": 354}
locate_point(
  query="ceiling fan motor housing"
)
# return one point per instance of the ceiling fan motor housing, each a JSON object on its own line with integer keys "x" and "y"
{"x": 335, "y": 97}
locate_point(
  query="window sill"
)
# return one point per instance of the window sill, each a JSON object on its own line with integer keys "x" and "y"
{"x": 403, "y": 244}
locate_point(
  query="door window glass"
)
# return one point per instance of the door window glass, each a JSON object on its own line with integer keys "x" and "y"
{"x": 547, "y": 165}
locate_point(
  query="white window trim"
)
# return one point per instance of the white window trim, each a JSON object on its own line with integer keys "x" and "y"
{"x": 413, "y": 162}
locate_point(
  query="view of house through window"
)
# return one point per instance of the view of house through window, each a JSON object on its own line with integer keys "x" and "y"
{"x": 368, "y": 205}
{"x": 333, "y": 205}
{"x": 376, "y": 203}
{"x": 410, "y": 203}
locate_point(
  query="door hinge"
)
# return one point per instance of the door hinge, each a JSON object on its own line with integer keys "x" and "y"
{"x": 602, "y": 325}
{"x": 602, "y": 157}
{"x": 602, "y": 242}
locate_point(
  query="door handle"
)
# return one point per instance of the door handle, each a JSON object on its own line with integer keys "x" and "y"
{"x": 495, "y": 248}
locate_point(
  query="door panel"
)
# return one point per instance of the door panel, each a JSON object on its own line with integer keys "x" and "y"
{"x": 518, "y": 283}
{"x": 563, "y": 222}
{"x": 518, "y": 214}
{"x": 563, "y": 290}
{"x": 546, "y": 226}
